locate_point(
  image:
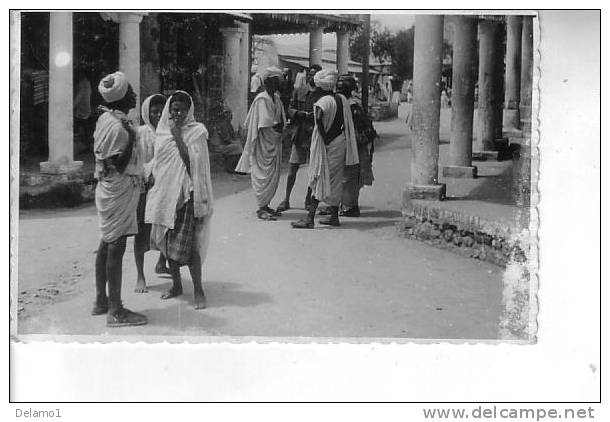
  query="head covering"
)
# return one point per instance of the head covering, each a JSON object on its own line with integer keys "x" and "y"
{"x": 315, "y": 67}
{"x": 165, "y": 123}
{"x": 272, "y": 72}
{"x": 325, "y": 79}
{"x": 346, "y": 77}
{"x": 113, "y": 87}
{"x": 146, "y": 110}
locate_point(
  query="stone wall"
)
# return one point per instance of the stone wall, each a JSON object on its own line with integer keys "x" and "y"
{"x": 474, "y": 237}
{"x": 383, "y": 111}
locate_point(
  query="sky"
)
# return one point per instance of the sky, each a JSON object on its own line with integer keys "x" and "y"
{"x": 394, "y": 22}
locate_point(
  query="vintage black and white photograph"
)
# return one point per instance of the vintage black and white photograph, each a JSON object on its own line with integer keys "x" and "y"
{"x": 275, "y": 175}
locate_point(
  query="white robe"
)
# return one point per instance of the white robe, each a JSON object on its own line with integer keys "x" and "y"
{"x": 173, "y": 185}
{"x": 116, "y": 194}
{"x": 325, "y": 173}
{"x": 262, "y": 155}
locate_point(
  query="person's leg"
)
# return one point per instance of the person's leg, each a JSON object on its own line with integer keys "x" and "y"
{"x": 161, "y": 266}
{"x": 290, "y": 181}
{"x": 118, "y": 316}
{"x": 176, "y": 289}
{"x": 101, "y": 299}
{"x": 114, "y": 272}
{"x": 307, "y": 222}
{"x": 195, "y": 270}
{"x": 139, "y": 248}
{"x": 351, "y": 191}
{"x": 140, "y": 245}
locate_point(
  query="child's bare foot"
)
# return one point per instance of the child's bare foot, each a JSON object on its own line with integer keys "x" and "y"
{"x": 141, "y": 286}
{"x": 200, "y": 301}
{"x": 173, "y": 292}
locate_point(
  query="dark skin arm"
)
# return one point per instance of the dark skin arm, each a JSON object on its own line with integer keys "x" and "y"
{"x": 121, "y": 160}
{"x": 319, "y": 121}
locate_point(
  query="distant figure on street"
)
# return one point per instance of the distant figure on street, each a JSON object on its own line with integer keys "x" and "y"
{"x": 116, "y": 196}
{"x": 444, "y": 99}
{"x": 333, "y": 146}
{"x": 300, "y": 113}
{"x": 286, "y": 88}
{"x": 180, "y": 203}
{"x": 152, "y": 107}
{"x": 358, "y": 175}
{"x": 263, "y": 150}
{"x": 82, "y": 109}
{"x": 256, "y": 86}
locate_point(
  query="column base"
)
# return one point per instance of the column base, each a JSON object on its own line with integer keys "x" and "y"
{"x": 425, "y": 192}
{"x": 460, "y": 172}
{"x": 511, "y": 120}
{"x": 49, "y": 167}
{"x": 526, "y": 127}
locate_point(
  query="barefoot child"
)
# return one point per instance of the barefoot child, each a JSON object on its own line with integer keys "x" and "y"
{"x": 152, "y": 107}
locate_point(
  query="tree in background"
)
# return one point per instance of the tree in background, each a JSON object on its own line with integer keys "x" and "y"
{"x": 381, "y": 43}
{"x": 402, "y": 53}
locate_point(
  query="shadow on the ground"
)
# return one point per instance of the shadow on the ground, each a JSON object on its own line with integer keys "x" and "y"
{"x": 174, "y": 317}
{"x": 218, "y": 293}
{"x": 386, "y": 218}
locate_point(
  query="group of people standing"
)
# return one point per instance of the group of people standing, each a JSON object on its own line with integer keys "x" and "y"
{"x": 330, "y": 130}
{"x": 153, "y": 182}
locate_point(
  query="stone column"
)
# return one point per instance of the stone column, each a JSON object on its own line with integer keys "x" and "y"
{"x": 426, "y": 109}
{"x": 512, "y": 93}
{"x": 527, "y": 67}
{"x": 490, "y": 84}
{"x": 315, "y": 46}
{"x": 244, "y": 74}
{"x": 60, "y": 135}
{"x": 150, "y": 68}
{"x": 462, "y": 98}
{"x": 129, "y": 51}
{"x": 129, "y": 47}
{"x": 231, "y": 85}
{"x": 342, "y": 52}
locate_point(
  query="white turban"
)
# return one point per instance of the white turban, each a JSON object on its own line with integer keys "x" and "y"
{"x": 113, "y": 87}
{"x": 326, "y": 79}
{"x": 271, "y": 72}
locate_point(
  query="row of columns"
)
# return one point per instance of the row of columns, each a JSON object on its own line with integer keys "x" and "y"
{"x": 60, "y": 135}
{"x": 316, "y": 49}
{"x": 515, "y": 116}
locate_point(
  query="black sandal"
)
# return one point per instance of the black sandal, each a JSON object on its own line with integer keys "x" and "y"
{"x": 265, "y": 215}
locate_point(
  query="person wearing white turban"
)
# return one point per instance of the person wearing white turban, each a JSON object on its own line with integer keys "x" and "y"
{"x": 180, "y": 203}
{"x": 333, "y": 146}
{"x": 263, "y": 149}
{"x": 119, "y": 176}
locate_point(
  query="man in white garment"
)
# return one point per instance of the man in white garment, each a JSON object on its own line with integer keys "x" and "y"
{"x": 263, "y": 150}
{"x": 333, "y": 146}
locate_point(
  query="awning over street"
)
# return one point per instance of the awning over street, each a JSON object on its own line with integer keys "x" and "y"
{"x": 297, "y": 23}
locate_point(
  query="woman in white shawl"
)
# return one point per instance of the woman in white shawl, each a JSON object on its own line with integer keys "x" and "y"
{"x": 333, "y": 146}
{"x": 152, "y": 107}
{"x": 179, "y": 205}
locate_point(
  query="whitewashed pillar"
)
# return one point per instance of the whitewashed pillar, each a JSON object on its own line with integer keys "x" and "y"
{"x": 231, "y": 85}
{"x": 60, "y": 135}
{"x": 342, "y": 52}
